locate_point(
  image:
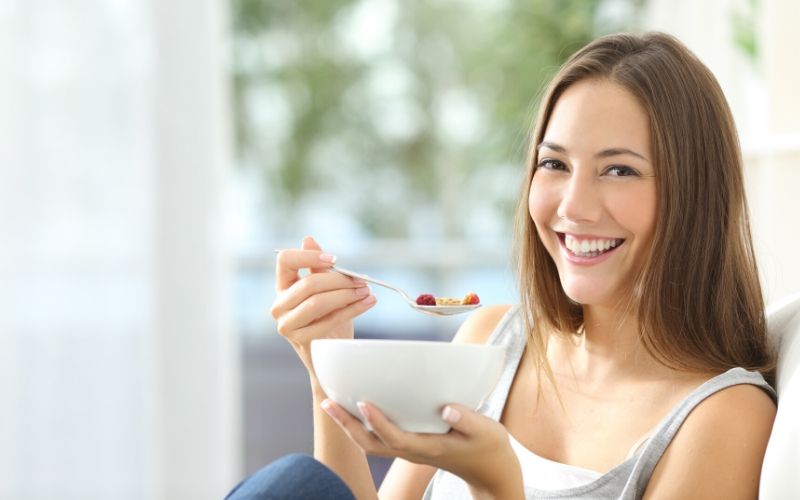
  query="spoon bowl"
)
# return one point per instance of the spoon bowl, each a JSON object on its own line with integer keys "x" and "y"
{"x": 449, "y": 310}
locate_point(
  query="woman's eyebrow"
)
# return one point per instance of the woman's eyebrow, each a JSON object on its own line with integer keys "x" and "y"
{"x": 602, "y": 154}
{"x": 618, "y": 151}
{"x": 551, "y": 145}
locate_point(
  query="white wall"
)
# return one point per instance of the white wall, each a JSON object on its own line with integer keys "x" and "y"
{"x": 766, "y": 106}
{"x": 774, "y": 160}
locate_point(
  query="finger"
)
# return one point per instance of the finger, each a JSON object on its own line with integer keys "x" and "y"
{"x": 319, "y": 306}
{"x": 289, "y": 263}
{"x": 463, "y": 419}
{"x": 391, "y": 435}
{"x": 309, "y": 243}
{"x": 321, "y": 327}
{"x": 312, "y": 285}
{"x": 421, "y": 448}
{"x": 354, "y": 429}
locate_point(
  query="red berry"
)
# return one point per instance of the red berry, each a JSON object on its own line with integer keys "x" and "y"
{"x": 470, "y": 299}
{"x": 426, "y": 299}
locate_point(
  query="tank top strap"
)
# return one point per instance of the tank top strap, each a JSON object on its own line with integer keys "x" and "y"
{"x": 652, "y": 450}
{"x": 510, "y": 333}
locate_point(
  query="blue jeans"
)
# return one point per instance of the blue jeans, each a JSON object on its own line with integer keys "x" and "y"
{"x": 292, "y": 477}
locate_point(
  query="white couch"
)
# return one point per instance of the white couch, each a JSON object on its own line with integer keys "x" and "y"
{"x": 780, "y": 475}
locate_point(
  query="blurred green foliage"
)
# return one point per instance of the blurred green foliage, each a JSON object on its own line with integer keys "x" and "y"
{"x": 743, "y": 21}
{"x": 396, "y": 111}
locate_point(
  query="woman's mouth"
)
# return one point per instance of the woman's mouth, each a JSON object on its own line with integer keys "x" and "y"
{"x": 589, "y": 247}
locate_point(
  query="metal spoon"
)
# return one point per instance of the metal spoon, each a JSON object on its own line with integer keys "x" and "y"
{"x": 433, "y": 310}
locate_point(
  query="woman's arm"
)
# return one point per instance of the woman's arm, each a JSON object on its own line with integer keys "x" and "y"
{"x": 335, "y": 449}
{"x": 406, "y": 480}
{"x": 719, "y": 450}
{"x": 322, "y": 304}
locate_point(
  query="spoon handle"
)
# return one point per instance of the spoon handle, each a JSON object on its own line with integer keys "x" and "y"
{"x": 360, "y": 276}
{"x": 369, "y": 279}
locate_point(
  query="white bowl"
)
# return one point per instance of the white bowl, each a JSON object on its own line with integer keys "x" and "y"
{"x": 409, "y": 381}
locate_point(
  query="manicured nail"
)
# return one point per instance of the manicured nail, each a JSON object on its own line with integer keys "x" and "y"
{"x": 362, "y": 407}
{"x": 370, "y": 300}
{"x": 326, "y": 405}
{"x": 451, "y": 415}
{"x": 326, "y": 257}
{"x": 362, "y": 291}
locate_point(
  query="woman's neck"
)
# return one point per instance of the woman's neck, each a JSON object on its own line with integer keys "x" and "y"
{"x": 607, "y": 348}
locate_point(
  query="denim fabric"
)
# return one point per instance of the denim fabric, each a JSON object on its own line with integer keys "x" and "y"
{"x": 292, "y": 477}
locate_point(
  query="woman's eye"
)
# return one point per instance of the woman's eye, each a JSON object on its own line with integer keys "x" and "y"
{"x": 621, "y": 171}
{"x": 552, "y": 165}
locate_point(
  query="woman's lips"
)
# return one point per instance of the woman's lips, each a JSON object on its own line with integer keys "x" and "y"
{"x": 586, "y": 249}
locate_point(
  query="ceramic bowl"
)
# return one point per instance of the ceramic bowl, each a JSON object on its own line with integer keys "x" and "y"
{"x": 410, "y": 381}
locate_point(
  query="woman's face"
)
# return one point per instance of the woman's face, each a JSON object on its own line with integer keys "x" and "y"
{"x": 593, "y": 195}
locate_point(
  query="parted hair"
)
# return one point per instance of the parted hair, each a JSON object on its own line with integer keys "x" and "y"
{"x": 697, "y": 298}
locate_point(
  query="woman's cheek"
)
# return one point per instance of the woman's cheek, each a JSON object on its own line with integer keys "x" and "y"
{"x": 540, "y": 205}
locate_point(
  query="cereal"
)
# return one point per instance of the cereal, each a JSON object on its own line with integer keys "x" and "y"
{"x": 427, "y": 299}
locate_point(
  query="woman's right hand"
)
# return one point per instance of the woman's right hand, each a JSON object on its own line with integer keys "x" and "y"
{"x": 321, "y": 304}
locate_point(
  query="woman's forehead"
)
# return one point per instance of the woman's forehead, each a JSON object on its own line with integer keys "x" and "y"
{"x": 597, "y": 115}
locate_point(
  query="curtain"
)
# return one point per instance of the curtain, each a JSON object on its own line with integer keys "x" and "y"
{"x": 118, "y": 363}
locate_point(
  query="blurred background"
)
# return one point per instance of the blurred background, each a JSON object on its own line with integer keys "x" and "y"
{"x": 154, "y": 154}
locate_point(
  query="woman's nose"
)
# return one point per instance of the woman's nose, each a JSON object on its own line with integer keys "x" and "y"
{"x": 580, "y": 200}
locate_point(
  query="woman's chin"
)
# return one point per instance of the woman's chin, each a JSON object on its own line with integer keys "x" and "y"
{"x": 586, "y": 294}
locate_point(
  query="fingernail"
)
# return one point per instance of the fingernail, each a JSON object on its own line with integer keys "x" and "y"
{"x": 450, "y": 415}
{"x": 363, "y": 291}
{"x": 326, "y": 257}
{"x": 326, "y": 405}
{"x": 362, "y": 407}
{"x": 370, "y": 300}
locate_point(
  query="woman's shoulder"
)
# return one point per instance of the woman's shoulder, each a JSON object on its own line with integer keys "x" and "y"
{"x": 731, "y": 411}
{"x": 481, "y": 323}
{"x": 739, "y": 411}
{"x": 721, "y": 442}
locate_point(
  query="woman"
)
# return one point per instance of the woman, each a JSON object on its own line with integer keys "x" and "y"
{"x": 636, "y": 355}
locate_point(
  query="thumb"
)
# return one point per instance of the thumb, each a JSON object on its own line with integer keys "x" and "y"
{"x": 309, "y": 243}
{"x": 461, "y": 418}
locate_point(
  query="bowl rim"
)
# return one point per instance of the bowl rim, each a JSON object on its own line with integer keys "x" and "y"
{"x": 402, "y": 343}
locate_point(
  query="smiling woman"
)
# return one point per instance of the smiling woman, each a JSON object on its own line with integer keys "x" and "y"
{"x": 641, "y": 325}
{"x": 682, "y": 178}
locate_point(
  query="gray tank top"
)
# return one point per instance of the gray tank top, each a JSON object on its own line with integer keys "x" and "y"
{"x": 627, "y": 480}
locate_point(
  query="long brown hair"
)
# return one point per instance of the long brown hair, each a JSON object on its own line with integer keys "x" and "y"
{"x": 698, "y": 296}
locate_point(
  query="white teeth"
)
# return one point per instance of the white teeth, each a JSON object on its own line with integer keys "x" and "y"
{"x": 590, "y": 248}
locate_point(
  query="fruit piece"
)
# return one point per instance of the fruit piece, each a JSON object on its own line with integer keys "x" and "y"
{"x": 426, "y": 299}
{"x": 470, "y": 298}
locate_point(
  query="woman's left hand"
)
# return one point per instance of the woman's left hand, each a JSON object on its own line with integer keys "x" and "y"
{"x": 476, "y": 449}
